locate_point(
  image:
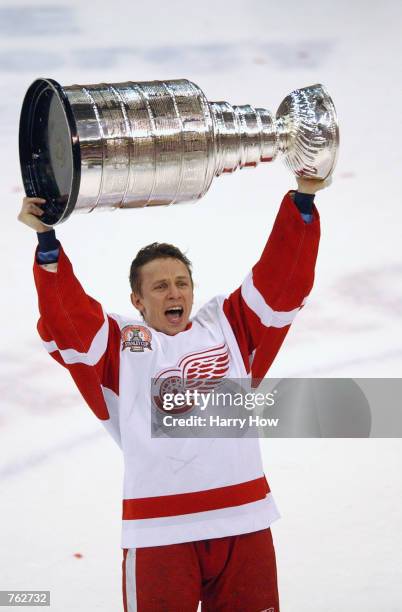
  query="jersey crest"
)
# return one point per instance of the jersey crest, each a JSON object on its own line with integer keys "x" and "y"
{"x": 136, "y": 337}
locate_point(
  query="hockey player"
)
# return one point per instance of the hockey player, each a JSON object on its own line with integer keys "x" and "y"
{"x": 196, "y": 512}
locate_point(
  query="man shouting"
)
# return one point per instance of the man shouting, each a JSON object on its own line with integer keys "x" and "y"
{"x": 196, "y": 512}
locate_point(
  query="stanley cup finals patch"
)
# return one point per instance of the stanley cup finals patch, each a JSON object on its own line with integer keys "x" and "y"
{"x": 136, "y": 338}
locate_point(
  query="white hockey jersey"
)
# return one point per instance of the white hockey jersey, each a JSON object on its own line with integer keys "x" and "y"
{"x": 182, "y": 489}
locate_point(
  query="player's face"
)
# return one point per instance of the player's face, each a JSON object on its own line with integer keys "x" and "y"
{"x": 166, "y": 295}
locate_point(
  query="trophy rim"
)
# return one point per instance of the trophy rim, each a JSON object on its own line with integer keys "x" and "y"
{"x": 335, "y": 123}
{"x": 28, "y": 111}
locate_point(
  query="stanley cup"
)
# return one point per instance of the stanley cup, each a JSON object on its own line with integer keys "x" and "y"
{"x": 130, "y": 145}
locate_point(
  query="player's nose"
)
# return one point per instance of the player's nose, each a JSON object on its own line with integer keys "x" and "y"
{"x": 173, "y": 292}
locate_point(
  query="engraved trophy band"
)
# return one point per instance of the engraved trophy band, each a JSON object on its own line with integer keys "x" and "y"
{"x": 153, "y": 143}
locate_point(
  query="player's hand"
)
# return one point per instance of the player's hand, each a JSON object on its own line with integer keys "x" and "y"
{"x": 31, "y": 212}
{"x": 305, "y": 185}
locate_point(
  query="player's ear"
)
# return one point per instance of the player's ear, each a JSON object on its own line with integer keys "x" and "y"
{"x": 137, "y": 302}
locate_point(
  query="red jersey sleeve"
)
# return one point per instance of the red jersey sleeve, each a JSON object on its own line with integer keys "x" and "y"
{"x": 78, "y": 334}
{"x": 262, "y": 309}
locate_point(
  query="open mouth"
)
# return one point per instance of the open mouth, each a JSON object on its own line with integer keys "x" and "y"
{"x": 174, "y": 314}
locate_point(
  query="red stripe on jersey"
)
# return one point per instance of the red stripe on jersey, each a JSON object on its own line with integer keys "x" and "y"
{"x": 245, "y": 324}
{"x": 198, "y": 501}
{"x": 284, "y": 274}
{"x": 71, "y": 319}
{"x": 283, "y": 277}
{"x": 124, "y": 579}
{"x": 65, "y": 307}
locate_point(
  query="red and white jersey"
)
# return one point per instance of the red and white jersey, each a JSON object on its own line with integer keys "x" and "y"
{"x": 182, "y": 489}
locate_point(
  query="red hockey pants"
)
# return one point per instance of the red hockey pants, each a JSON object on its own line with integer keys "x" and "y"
{"x": 235, "y": 573}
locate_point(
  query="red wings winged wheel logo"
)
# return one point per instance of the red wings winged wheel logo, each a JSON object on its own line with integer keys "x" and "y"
{"x": 204, "y": 371}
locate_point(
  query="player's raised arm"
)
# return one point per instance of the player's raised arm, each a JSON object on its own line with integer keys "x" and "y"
{"x": 72, "y": 325}
{"x": 262, "y": 309}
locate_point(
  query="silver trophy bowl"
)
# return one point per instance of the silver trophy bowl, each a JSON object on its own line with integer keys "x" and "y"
{"x": 130, "y": 145}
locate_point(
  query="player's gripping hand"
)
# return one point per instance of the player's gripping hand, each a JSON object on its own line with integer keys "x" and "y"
{"x": 312, "y": 185}
{"x": 31, "y": 212}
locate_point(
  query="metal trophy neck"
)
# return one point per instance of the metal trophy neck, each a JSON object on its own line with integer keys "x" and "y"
{"x": 155, "y": 143}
